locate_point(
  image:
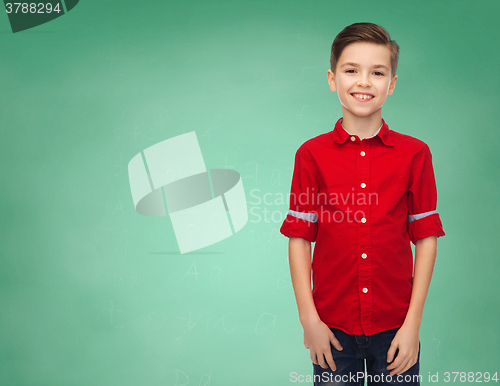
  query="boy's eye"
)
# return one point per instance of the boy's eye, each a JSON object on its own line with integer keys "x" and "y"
{"x": 350, "y": 70}
{"x": 379, "y": 73}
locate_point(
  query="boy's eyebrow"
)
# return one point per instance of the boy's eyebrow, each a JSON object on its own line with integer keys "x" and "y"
{"x": 356, "y": 64}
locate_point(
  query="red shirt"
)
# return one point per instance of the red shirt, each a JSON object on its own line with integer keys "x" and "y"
{"x": 362, "y": 202}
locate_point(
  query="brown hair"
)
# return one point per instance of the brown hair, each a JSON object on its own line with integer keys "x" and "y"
{"x": 363, "y": 32}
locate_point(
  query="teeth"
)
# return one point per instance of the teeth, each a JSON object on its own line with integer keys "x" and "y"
{"x": 363, "y": 96}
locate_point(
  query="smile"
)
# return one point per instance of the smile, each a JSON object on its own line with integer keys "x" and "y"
{"x": 362, "y": 97}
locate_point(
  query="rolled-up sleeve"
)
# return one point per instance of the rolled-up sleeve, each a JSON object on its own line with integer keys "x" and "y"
{"x": 301, "y": 219}
{"x": 423, "y": 217}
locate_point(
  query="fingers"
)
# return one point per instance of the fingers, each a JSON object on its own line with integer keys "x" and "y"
{"x": 399, "y": 364}
{"x": 319, "y": 359}
{"x": 330, "y": 361}
{"x": 326, "y": 353}
{"x": 402, "y": 363}
{"x": 327, "y": 361}
{"x": 335, "y": 342}
{"x": 396, "y": 358}
{"x": 323, "y": 358}
{"x": 406, "y": 364}
{"x": 313, "y": 357}
{"x": 409, "y": 364}
{"x": 320, "y": 347}
{"x": 391, "y": 352}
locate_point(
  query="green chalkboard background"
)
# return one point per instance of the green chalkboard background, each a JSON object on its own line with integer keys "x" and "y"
{"x": 92, "y": 293}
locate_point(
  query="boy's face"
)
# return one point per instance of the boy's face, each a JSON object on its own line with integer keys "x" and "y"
{"x": 358, "y": 72}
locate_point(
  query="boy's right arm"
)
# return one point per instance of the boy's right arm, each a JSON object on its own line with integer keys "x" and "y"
{"x": 317, "y": 335}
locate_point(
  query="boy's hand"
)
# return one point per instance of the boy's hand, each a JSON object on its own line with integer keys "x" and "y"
{"x": 407, "y": 343}
{"x": 317, "y": 338}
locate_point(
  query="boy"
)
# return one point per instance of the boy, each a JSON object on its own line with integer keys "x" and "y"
{"x": 362, "y": 192}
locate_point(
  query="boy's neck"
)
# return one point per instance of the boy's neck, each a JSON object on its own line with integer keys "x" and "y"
{"x": 363, "y": 127}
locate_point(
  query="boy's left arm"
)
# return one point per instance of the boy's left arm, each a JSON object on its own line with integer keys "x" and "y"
{"x": 406, "y": 339}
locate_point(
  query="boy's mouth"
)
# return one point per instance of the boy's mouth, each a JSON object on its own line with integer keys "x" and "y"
{"x": 362, "y": 97}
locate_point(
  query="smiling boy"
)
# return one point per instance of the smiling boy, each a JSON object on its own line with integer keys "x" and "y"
{"x": 362, "y": 193}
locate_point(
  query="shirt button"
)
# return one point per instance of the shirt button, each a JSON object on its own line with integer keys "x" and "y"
{"x": 365, "y": 290}
{"x": 363, "y": 185}
{"x": 362, "y": 154}
{"x": 353, "y": 138}
{"x": 364, "y": 255}
{"x": 363, "y": 220}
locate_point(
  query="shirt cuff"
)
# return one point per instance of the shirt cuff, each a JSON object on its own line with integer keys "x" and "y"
{"x": 422, "y": 226}
{"x": 299, "y": 227}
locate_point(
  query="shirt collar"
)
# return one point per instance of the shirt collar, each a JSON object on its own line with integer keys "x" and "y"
{"x": 340, "y": 134}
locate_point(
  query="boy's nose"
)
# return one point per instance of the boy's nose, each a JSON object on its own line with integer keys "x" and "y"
{"x": 363, "y": 81}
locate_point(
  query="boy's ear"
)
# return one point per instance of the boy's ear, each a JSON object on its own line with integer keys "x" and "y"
{"x": 392, "y": 85}
{"x": 331, "y": 80}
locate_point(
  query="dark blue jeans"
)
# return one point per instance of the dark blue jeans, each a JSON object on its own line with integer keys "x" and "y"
{"x": 350, "y": 362}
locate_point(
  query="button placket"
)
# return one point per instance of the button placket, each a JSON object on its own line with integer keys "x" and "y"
{"x": 364, "y": 233}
